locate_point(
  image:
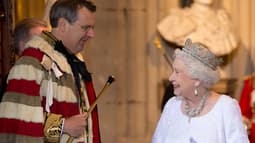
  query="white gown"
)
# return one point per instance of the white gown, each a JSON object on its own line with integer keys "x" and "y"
{"x": 223, "y": 124}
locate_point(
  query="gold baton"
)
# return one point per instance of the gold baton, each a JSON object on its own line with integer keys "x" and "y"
{"x": 107, "y": 84}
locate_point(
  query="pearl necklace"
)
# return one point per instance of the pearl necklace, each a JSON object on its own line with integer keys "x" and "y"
{"x": 192, "y": 112}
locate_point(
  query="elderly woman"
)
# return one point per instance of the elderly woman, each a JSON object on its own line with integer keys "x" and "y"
{"x": 197, "y": 114}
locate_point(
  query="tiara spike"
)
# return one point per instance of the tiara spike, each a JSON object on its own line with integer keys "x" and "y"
{"x": 202, "y": 54}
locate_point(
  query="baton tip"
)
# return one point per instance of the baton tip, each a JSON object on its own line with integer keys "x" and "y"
{"x": 111, "y": 79}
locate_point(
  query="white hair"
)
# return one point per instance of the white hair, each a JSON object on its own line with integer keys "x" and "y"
{"x": 197, "y": 69}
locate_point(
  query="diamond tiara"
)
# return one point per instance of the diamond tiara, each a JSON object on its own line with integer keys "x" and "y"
{"x": 201, "y": 53}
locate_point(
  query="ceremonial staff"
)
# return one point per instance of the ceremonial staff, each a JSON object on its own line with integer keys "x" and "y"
{"x": 107, "y": 84}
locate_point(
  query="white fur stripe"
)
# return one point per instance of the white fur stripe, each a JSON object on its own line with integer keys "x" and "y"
{"x": 27, "y": 72}
{"x": 60, "y": 93}
{"x": 90, "y": 122}
{"x": 23, "y": 112}
{"x": 39, "y": 43}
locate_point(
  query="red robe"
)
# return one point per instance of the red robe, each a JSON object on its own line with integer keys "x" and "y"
{"x": 246, "y": 106}
{"x": 23, "y": 104}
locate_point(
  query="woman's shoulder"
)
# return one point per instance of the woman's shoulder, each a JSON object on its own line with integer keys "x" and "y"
{"x": 226, "y": 99}
{"x": 173, "y": 101}
{"x": 227, "y": 103}
{"x": 172, "y": 105}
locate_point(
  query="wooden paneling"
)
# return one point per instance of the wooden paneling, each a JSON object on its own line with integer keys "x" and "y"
{"x": 28, "y": 8}
{"x": 6, "y": 54}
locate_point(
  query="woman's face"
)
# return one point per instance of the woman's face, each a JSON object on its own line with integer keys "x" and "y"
{"x": 183, "y": 84}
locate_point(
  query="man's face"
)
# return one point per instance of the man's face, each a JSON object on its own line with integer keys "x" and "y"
{"x": 80, "y": 31}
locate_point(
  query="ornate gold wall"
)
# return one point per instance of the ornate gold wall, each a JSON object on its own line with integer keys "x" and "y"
{"x": 28, "y": 8}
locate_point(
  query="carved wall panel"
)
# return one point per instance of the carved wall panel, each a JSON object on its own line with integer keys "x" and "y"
{"x": 6, "y": 50}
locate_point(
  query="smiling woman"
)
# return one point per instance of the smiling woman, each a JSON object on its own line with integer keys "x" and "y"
{"x": 196, "y": 107}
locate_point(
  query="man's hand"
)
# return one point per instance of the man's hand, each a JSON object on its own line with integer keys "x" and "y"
{"x": 75, "y": 125}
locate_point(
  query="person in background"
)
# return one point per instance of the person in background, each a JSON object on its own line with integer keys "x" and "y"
{"x": 23, "y": 32}
{"x": 49, "y": 88}
{"x": 168, "y": 94}
{"x": 247, "y": 105}
{"x": 197, "y": 114}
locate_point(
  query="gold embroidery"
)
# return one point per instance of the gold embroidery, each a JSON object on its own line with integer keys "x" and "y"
{"x": 52, "y": 127}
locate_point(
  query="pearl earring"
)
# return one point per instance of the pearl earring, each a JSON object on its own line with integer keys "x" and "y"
{"x": 196, "y": 90}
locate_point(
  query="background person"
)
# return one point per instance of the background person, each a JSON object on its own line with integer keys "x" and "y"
{"x": 23, "y": 32}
